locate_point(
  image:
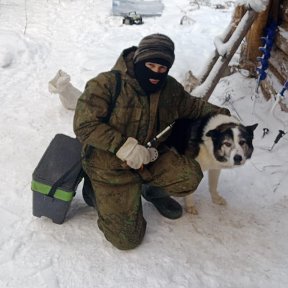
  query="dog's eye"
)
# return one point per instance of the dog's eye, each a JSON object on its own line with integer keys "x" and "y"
{"x": 227, "y": 144}
{"x": 242, "y": 142}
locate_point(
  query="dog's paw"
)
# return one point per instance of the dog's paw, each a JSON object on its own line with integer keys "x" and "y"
{"x": 192, "y": 210}
{"x": 219, "y": 200}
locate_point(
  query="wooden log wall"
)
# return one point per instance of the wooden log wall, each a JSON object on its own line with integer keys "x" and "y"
{"x": 277, "y": 72}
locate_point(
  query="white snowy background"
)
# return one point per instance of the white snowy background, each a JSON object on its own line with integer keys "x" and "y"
{"x": 244, "y": 244}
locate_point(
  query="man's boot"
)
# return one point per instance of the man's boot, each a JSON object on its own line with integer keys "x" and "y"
{"x": 167, "y": 206}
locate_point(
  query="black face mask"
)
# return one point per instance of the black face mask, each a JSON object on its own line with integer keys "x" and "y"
{"x": 143, "y": 74}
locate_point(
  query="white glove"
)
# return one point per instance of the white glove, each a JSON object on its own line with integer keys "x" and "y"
{"x": 136, "y": 155}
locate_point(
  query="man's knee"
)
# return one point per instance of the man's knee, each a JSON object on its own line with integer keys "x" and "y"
{"x": 195, "y": 178}
{"x": 125, "y": 243}
{"x": 188, "y": 180}
{"x": 176, "y": 173}
{"x": 124, "y": 236}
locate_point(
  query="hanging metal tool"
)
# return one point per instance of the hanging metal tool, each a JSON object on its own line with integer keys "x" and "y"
{"x": 280, "y": 96}
{"x": 265, "y": 132}
{"x": 279, "y": 136}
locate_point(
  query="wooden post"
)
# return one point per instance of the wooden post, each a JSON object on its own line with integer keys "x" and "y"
{"x": 191, "y": 81}
{"x": 206, "y": 88}
{"x": 238, "y": 14}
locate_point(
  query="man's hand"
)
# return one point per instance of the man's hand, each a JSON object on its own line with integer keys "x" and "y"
{"x": 136, "y": 155}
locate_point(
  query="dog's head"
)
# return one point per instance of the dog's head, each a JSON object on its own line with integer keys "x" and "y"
{"x": 232, "y": 142}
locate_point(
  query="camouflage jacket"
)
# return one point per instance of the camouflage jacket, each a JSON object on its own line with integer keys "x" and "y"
{"x": 135, "y": 114}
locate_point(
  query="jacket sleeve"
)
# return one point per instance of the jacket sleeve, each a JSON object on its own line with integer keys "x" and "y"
{"x": 93, "y": 107}
{"x": 193, "y": 107}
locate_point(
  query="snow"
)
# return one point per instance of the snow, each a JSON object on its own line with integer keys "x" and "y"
{"x": 241, "y": 245}
{"x": 283, "y": 33}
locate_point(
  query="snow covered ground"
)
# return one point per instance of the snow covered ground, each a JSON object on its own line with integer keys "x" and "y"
{"x": 241, "y": 245}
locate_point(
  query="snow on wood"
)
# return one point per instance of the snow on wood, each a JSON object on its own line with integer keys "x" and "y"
{"x": 282, "y": 40}
{"x": 225, "y": 48}
{"x": 214, "y": 56}
{"x": 224, "y": 37}
{"x": 256, "y": 5}
{"x": 206, "y": 88}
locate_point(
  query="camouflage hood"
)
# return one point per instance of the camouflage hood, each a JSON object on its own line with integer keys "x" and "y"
{"x": 125, "y": 61}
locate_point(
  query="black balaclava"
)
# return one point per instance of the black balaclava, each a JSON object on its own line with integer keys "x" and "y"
{"x": 155, "y": 48}
{"x": 143, "y": 74}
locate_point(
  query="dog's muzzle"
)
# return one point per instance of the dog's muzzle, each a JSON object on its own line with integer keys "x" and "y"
{"x": 237, "y": 159}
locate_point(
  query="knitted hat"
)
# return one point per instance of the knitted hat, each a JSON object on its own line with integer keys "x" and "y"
{"x": 155, "y": 46}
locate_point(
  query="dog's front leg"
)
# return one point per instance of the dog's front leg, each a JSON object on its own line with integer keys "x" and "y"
{"x": 213, "y": 176}
{"x": 190, "y": 205}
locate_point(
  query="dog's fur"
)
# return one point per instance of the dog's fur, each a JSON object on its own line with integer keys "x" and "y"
{"x": 216, "y": 142}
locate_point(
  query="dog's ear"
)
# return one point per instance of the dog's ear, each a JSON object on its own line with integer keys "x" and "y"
{"x": 251, "y": 128}
{"x": 212, "y": 133}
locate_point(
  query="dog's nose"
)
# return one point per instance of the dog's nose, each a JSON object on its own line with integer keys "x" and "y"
{"x": 237, "y": 159}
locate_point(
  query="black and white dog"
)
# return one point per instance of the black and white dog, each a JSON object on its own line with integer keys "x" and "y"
{"x": 216, "y": 142}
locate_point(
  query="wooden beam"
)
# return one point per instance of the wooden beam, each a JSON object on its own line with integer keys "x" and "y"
{"x": 237, "y": 16}
{"x": 206, "y": 88}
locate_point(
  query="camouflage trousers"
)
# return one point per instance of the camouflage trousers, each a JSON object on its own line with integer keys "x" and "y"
{"x": 118, "y": 193}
